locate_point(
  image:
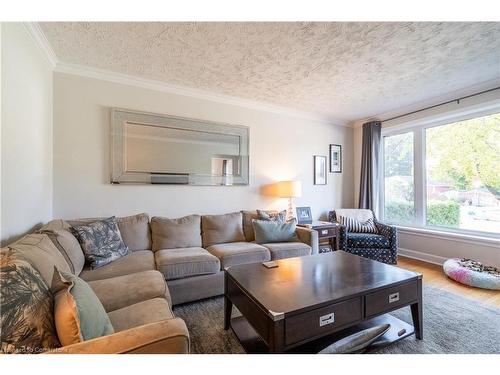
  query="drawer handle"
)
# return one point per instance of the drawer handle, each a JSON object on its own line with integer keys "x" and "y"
{"x": 324, "y": 231}
{"x": 326, "y": 319}
{"x": 394, "y": 297}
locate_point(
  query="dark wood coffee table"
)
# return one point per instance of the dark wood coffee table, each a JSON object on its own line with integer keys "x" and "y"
{"x": 310, "y": 302}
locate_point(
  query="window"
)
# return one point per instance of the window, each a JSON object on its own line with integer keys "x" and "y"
{"x": 398, "y": 179}
{"x": 444, "y": 176}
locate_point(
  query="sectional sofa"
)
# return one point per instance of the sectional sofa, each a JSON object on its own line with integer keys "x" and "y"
{"x": 172, "y": 261}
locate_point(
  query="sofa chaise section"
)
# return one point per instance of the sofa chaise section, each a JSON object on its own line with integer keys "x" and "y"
{"x": 134, "y": 294}
{"x": 121, "y": 291}
{"x": 160, "y": 337}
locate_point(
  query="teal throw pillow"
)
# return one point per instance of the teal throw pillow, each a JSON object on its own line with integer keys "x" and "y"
{"x": 274, "y": 231}
{"x": 79, "y": 315}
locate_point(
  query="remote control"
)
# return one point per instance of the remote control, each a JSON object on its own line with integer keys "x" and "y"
{"x": 270, "y": 264}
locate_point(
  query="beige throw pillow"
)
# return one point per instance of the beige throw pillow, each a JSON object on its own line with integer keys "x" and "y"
{"x": 218, "y": 229}
{"x": 176, "y": 233}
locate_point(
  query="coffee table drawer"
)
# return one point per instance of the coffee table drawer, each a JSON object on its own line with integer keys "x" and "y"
{"x": 321, "y": 321}
{"x": 389, "y": 298}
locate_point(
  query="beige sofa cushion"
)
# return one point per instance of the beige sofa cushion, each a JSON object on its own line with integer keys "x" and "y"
{"x": 134, "y": 230}
{"x": 176, "y": 233}
{"x": 217, "y": 229}
{"x": 281, "y": 250}
{"x": 137, "y": 261}
{"x": 248, "y": 216}
{"x": 68, "y": 245}
{"x": 231, "y": 254}
{"x": 150, "y": 311}
{"x": 121, "y": 291}
{"x": 54, "y": 225}
{"x": 41, "y": 252}
{"x": 180, "y": 263}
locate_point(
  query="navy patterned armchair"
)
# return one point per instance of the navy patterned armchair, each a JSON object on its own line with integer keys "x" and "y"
{"x": 382, "y": 246}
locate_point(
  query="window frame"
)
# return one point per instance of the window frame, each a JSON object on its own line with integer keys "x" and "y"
{"x": 418, "y": 128}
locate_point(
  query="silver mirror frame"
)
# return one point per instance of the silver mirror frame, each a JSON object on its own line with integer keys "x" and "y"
{"x": 120, "y": 176}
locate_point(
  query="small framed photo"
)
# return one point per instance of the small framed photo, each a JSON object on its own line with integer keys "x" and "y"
{"x": 319, "y": 170}
{"x": 304, "y": 215}
{"x": 335, "y": 158}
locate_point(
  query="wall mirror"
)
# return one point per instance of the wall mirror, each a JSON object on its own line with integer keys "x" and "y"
{"x": 159, "y": 149}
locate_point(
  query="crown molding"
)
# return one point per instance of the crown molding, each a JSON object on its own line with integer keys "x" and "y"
{"x": 38, "y": 36}
{"x": 470, "y": 90}
{"x": 131, "y": 80}
{"x": 41, "y": 41}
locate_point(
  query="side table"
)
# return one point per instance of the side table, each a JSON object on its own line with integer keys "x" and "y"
{"x": 328, "y": 235}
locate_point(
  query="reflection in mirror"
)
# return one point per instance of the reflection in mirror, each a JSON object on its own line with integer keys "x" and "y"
{"x": 160, "y": 149}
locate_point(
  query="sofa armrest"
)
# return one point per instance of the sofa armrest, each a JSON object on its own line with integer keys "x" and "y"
{"x": 308, "y": 236}
{"x": 166, "y": 336}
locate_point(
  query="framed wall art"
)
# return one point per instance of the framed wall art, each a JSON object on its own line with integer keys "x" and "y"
{"x": 319, "y": 170}
{"x": 335, "y": 158}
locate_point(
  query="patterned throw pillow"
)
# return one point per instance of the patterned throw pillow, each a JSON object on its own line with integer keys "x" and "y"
{"x": 356, "y": 226}
{"x": 101, "y": 242}
{"x": 27, "y": 307}
{"x": 272, "y": 216}
{"x": 79, "y": 314}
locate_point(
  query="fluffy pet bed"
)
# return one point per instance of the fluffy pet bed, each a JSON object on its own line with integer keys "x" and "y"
{"x": 473, "y": 273}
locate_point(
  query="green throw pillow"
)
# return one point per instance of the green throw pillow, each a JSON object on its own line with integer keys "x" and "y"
{"x": 274, "y": 231}
{"x": 79, "y": 314}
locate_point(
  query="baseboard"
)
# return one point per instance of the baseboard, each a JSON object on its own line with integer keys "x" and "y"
{"x": 429, "y": 258}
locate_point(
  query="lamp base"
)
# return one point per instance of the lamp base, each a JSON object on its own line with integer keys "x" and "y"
{"x": 289, "y": 211}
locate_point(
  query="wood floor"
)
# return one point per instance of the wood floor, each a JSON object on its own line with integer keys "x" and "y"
{"x": 435, "y": 277}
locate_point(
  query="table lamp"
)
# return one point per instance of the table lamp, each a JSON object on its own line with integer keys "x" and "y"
{"x": 290, "y": 190}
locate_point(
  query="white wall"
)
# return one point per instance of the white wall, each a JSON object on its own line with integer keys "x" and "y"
{"x": 424, "y": 245}
{"x": 26, "y": 138}
{"x": 281, "y": 147}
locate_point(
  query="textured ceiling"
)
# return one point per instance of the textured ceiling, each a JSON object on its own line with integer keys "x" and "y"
{"x": 343, "y": 70}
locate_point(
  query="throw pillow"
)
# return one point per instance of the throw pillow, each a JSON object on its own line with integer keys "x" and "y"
{"x": 274, "y": 231}
{"x": 356, "y": 226}
{"x": 79, "y": 315}
{"x": 27, "y": 313}
{"x": 101, "y": 242}
{"x": 272, "y": 215}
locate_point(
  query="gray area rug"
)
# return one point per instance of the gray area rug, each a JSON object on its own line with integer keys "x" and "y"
{"x": 452, "y": 324}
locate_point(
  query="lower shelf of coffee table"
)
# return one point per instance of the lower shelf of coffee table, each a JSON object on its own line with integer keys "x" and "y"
{"x": 252, "y": 343}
